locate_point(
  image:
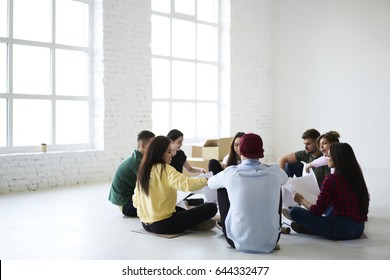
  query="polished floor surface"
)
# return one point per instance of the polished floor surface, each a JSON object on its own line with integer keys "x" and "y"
{"x": 77, "y": 223}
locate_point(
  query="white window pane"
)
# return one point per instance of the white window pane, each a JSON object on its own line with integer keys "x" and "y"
{"x": 31, "y": 72}
{"x": 72, "y": 118}
{"x": 183, "y": 118}
{"x": 207, "y": 114}
{"x": 207, "y": 78}
{"x": 3, "y": 122}
{"x": 72, "y": 23}
{"x": 183, "y": 39}
{"x": 161, "y": 78}
{"x": 160, "y": 118}
{"x": 32, "y": 122}
{"x": 3, "y": 18}
{"x": 183, "y": 80}
{"x": 163, "y": 6}
{"x": 185, "y": 7}
{"x": 161, "y": 35}
{"x": 208, "y": 10}
{"x": 3, "y": 68}
{"x": 32, "y": 20}
{"x": 71, "y": 73}
{"x": 207, "y": 43}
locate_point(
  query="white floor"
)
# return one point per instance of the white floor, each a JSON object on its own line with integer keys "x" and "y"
{"x": 77, "y": 223}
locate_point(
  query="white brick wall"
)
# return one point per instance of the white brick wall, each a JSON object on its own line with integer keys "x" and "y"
{"x": 252, "y": 63}
{"x": 122, "y": 87}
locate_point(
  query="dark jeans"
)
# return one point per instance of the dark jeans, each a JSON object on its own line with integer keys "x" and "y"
{"x": 295, "y": 168}
{"x": 335, "y": 228}
{"x": 129, "y": 210}
{"x": 183, "y": 219}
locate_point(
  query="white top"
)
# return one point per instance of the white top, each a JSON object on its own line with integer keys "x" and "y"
{"x": 225, "y": 159}
{"x": 321, "y": 161}
{"x": 253, "y": 220}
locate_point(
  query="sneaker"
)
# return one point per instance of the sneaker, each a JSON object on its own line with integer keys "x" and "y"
{"x": 285, "y": 230}
{"x": 286, "y": 213}
{"x": 300, "y": 229}
{"x": 216, "y": 218}
{"x": 206, "y": 225}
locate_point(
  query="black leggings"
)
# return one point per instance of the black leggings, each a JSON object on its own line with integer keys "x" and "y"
{"x": 129, "y": 209}
{"x": 223, "y": 199}
{"x": 183, "y": 219}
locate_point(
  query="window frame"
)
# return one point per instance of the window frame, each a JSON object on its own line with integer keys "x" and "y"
{"x": 10, "y": 96}
{"x": 170, "y": 100}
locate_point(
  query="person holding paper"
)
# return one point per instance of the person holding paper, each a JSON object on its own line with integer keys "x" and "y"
{"x": 253, "y": 220}
{"x": 155, "y": 194}
{"x": 345, "y": 190}
{"x": 291, "y": 163}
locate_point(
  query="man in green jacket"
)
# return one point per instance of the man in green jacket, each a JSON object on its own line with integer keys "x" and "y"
{"x": 123, "y": 184}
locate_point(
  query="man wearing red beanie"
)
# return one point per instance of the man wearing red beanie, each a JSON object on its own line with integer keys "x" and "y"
{"x": 253, "y": 222}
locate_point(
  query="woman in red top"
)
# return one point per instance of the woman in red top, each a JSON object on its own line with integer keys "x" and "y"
{"x": 345, "y": 190}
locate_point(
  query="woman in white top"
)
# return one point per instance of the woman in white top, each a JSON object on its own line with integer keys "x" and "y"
{"x": 324, "y": 142}
{"x": 233, "y": 158}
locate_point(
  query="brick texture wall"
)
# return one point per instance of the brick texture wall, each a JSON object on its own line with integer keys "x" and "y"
{"x": 123, "y": 93}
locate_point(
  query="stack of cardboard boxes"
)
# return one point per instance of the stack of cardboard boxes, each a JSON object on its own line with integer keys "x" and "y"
{"x": 211, "y": 149}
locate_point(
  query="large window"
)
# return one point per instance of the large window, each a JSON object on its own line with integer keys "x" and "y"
{"x": 45, "y": 94}
{"x": 185, "y": 67}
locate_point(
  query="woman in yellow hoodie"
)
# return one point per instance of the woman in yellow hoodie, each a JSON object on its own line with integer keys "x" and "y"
{"x": 156, "y": 193}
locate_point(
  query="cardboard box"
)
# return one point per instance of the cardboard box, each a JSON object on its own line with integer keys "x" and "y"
{"x": 216, "y": 148}
{"x": 197, "y": 151}
{"x": 197, "y": 162}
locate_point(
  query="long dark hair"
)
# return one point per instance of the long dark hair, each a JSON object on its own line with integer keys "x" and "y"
{"x": 153, "y": 155}
{"x": 233, "y": 157}
{"x": 347, "y": 165}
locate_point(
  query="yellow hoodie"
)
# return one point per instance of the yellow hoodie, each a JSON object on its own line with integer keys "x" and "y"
{"x": 161, "y": 202}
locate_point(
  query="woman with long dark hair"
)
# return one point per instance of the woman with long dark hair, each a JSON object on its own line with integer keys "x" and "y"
{"x": 233, "y": 158}
{"x": 345, "y": 190}
{"x": 156, "y": 193}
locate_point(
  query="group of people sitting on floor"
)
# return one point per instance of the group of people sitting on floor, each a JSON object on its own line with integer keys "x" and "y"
{"x": 248, "y": 190}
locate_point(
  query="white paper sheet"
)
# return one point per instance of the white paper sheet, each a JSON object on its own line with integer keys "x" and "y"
{"x": 307, "y": 186}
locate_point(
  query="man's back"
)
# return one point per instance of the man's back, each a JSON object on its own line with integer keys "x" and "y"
{"x": 253, "y": 221}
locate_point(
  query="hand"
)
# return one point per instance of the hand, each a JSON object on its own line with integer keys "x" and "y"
{"x": 308, "y": 167}
{"x": 203, "y": 171}
{"x": 298, "y": 198}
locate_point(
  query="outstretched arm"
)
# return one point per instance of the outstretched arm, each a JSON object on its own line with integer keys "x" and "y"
{"x": 193, "y": 170}
{"x": 289, "y": 158}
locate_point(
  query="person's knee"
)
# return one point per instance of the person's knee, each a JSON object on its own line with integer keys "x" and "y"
{"x": 212, "y": 208}
{"x": 294, "y": 212}
{"x": 215, "y": 166}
